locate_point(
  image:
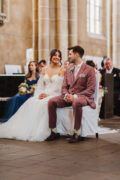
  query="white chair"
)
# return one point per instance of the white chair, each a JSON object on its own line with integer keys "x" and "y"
{"x": 89, "y": 122}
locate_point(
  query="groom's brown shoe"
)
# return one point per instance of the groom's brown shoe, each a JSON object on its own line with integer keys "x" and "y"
{"x": 74, "y": 139}
{"x": 53, "y": 136}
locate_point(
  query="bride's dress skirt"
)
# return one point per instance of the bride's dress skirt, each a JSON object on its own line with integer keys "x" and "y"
{"x": 29, "y": 123}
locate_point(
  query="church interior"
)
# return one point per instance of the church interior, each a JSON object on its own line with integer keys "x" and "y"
{"x": 29, "y": 30}
{"x": 44, "y": 25}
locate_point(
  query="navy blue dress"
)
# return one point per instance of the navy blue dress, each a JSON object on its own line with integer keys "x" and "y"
{"x": 16, "y": 101}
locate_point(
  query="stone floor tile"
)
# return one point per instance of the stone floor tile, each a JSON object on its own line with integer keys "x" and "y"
{"x": 58, "y": 160}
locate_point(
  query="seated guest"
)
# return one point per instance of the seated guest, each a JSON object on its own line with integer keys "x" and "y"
{"x": 26, "y": 90}
{"x": 116, "y": 76}
{"x": 77, "y": 91}
{"x": 30, "y": 122}
{"x": 103, "y": 64}
{"x": 92, "y": 64}
{"x": 97, "y": 73}
{"x": 42, "y": 63}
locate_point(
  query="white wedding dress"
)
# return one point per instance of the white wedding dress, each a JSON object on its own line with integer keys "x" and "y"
{"x": 30, "y": 122}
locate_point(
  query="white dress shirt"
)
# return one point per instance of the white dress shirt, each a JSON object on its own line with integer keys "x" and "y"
{"x": 109, "y": 71}
{"x": 77, "y": 68}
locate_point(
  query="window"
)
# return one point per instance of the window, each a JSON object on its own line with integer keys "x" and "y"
{"x": 94, "y": 8}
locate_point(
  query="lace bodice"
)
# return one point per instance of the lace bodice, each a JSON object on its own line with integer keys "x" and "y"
{"x": 49, "y": 85}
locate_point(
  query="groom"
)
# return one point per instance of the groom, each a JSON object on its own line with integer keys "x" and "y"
{"x": 77, "y": 91}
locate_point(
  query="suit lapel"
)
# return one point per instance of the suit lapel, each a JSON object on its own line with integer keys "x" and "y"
{"x": 71, "y": 71}
{"x": 113, "y": 70}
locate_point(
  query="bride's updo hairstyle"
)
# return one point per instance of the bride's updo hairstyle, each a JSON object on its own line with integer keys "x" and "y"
{"x": 53, "y": 52}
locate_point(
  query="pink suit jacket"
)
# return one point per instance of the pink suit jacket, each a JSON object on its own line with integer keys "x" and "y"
{"x": 83, "y": 85}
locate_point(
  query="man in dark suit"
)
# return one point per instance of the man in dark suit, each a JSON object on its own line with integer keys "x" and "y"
{"x": 77, "y": 91}
{"x": 116, "y": 76}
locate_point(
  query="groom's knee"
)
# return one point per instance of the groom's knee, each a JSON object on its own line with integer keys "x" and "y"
{"x": 51, "y": 102}
{"x": 79, "y": 102}
{"x": 76, "y": 104}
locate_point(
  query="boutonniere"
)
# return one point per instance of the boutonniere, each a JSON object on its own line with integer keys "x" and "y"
{"x": 71, "y": 70}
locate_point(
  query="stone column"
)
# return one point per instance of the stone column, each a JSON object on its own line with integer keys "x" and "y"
{"x": 52, "y": 28}
{"x": 62, "y": 26}
{"x": 118, "y": 33}
{"x": 108, "y": 28}
{"x": 43, "y": 29}
{"x": 72, "y": 23}
{"x": 35, "y": 29}
{"x": 114, "y": 32}
{"x": 52, "y": 25}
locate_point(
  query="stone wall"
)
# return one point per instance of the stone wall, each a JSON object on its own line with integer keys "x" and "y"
{"x": 16, "y": 33}
{"x": 94, "y": 45}
{"x": 118, "y": 33}
{"x": 47, "y": 24}
{"x": 62, "y": 23}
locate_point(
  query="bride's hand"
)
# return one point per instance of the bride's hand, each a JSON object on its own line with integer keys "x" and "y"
{"x": 42, "y": 96}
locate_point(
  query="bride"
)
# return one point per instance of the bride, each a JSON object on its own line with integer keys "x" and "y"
{"x": 30, "y": 122}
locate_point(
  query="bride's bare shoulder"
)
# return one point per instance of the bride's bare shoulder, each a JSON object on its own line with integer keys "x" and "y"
{"x": 43, "y": 71}
{"x": 62, "y": 71}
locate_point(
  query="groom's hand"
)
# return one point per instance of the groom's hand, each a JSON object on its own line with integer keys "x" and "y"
{"x": 42, "y": 96}
{"x": 69, "y": 98}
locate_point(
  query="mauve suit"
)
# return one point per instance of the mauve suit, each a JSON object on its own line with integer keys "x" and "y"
{"x": 83, "y": 86}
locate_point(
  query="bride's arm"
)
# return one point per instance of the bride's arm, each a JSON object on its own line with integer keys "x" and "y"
{"x": 40, "y": 88}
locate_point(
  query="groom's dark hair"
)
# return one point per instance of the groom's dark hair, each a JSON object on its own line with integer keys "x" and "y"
{"x": 77, "y": 49}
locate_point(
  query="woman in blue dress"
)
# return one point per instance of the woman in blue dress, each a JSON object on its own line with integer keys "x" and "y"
{"x": 17, "y": 100}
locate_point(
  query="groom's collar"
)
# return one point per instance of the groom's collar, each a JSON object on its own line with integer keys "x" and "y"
{"x": 79, "y": 65}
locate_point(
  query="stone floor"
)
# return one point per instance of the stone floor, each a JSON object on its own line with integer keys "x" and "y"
{"x": 91, "y": 159}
